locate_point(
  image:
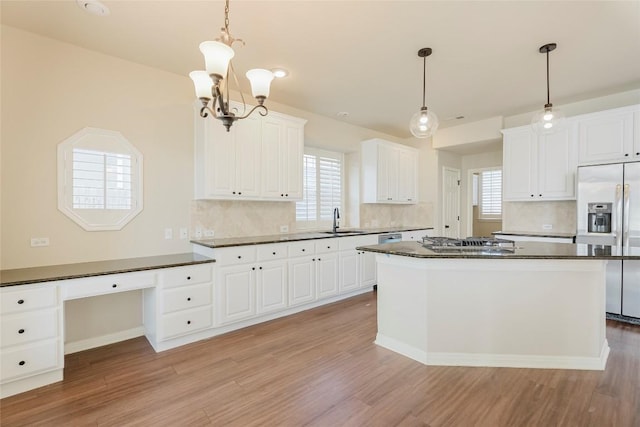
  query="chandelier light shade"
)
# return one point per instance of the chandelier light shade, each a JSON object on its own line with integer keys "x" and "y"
{"x": 549, "y": 119}
{"x": 212, "y": 85}
{"x": 424, "y": 123}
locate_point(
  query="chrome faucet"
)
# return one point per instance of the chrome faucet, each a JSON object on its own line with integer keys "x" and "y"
{"x": 336, "y": 218}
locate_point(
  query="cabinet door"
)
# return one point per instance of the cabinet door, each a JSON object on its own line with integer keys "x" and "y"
{"x": 406, "y": 177}
{"x": 327, "y": 274}
{"x": 271, "y": 286}
{"x": 236, "y": 293}
{"x": 292, "y": 164}
{"x": 606, "y": 137}
{"x": 349, "y": 271}
{"x": 556, "y": 166}
{"x": 220, "y": 155}
{"x": 302, "y": 280}
{"x": 385, "y": 169}
{"x": 271, "y": 157}
{"x": 248, "y": 159}
{"x": 519, "y": 165}
{"x": 368, "y": 272}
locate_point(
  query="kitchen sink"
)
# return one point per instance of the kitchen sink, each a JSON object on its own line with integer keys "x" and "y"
{"x": 343, "y": 232}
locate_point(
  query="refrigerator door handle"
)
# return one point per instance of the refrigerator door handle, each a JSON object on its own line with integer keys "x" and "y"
{"x": 625, "y": 215}
{"x": 618, "y": 224}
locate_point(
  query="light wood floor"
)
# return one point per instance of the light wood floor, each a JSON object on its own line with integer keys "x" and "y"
{"x": 321, "y": 368}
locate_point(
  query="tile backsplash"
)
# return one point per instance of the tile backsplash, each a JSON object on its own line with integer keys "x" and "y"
{"x": 231, "y": 218}
{"x": 531, "y": 216}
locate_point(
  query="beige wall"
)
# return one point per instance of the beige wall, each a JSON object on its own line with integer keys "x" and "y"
{"x": 50, "y": 90}
{"x": 470, "y": 163}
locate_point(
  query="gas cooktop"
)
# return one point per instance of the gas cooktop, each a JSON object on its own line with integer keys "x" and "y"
{"x": 469, "y": 244}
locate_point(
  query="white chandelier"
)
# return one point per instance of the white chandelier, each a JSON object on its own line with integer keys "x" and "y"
{"x": 213, "y": 84}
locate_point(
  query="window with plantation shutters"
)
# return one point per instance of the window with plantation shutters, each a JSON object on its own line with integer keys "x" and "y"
{"x": 99, "y": 179}
{"x": 490, "y": 200}
{"x": 322, "y": 188}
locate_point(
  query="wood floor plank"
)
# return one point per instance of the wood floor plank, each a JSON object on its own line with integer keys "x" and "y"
{"x": 321, "y": 368}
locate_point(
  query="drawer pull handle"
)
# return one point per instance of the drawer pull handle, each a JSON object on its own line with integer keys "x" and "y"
{"x": 20, "y": 301}
{"x": 188, "y": 298}
{"x": 115, "y": 285}
{"x": 188, "y": 277}
{"x": 22, "y": 363}
{"x": 21, "y": 331}
{"x": 188, "y": 322}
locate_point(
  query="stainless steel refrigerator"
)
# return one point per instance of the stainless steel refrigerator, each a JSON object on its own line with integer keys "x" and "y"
{"x": 608, "y": 208}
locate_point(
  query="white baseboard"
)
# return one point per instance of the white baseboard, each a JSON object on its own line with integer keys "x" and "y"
{"x": 497, "y": 360}
{"x": 76, "y": 346}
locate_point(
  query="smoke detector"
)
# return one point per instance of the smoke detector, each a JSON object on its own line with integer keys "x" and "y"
{"x": 94, "y": 7}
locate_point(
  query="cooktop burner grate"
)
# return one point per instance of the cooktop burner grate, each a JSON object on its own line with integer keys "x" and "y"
{"x": 475, "y": 244}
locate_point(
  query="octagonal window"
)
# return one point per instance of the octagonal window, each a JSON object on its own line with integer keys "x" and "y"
{"x": 99, "y": 179}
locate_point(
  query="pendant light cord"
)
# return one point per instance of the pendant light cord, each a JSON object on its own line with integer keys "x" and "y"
{"x": 424, "y": 81}
{"x": 548, "y": 97}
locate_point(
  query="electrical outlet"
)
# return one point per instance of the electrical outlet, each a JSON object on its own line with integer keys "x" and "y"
{"x": 168, "y": 233}
{"x": 208, "y": 234}
{"x": 547, "y": 226}
{"x": 284, "y": 228}
{"x": 198, "y": 234}
{"x": 37, "y": 242}
{"x": 184, "y": 233}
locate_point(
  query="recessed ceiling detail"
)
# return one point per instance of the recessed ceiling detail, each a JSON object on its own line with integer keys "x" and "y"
{"x": 94, "y": 7}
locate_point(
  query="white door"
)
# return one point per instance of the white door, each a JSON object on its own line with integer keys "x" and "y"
{"x": 451, "y": 202}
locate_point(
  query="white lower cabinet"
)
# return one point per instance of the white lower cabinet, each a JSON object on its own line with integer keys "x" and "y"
{"x": 236, "y": 293}
{"x": 271, "y": 287}
{"x": 31, "y": 348}
{"x": 302, "y": 280}
{"x": 327, "y": 275}
{"x": 357, "y": 268}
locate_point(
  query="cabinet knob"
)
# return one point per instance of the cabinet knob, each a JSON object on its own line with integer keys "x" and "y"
{"x": 626, "y": 155}
{"x": 188, "y": 298}
{"x": 638, "y": 154}
{"x": 234, "y": 192}
{"x": 328, "y": 247}
{"x": 313, "y": 259}
{"x": 319, "y": 259}
{"x": 20, "y": 301}
{"x": 532, "y": 195}
{"x": 260, "y": 268}
{"x": 303, "y": 250}
{"x": 239, "y": 256}
{"x": 21, "y": 331}
{"x": 274, "y": 253}
{"x": 281, "y": 194}
{"x": 540, "y": 195}
{"x": 22, "y": 363}
{"x": 188, "y": 322}
{"x": 115, "y": 285}
{"x": 188, "y": 277}
{"x": 239, "y": 192}
{"x": 286, "y": 195}
{"x": 253, "y": 268}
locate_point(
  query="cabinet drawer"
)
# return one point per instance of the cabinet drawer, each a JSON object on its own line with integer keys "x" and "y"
{"x": 235, "y": 255}
{"x": 29, "y": 360}
{"x": 186, "y": 322}
{"x": 112, "y": 283}
{"x": 352, "y": 242}
{"x": 33, "y": 326}
{"x": 301, "y": 248}
{"x": 326, "y": 245}
{"x": 186, "y": 297}
{"x": 191, "y": 275}
{"x": 271, "y": 252}
{"x": 25, "y": 299}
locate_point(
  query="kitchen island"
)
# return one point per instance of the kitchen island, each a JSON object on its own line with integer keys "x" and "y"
{"x": 539, "y": 306}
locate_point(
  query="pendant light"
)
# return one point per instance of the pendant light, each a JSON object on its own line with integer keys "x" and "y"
{"x": 424, "y": 123}
{"x": 549, "y": 119}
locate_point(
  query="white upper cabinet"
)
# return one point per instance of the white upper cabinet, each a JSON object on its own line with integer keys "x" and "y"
{"x": 389, "y": 172}
{"x": 282, "y": 150}
{"x": 609, "y": 136}
{"x": 539, "y": 167}
{"x": 260, "y": 158}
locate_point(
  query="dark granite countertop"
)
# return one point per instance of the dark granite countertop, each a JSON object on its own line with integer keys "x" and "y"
{"x": 294, "y": 237}
{"x": 23, "y": 276}
{"x": 537, "y": 234}
{"x": 524, "y": 250}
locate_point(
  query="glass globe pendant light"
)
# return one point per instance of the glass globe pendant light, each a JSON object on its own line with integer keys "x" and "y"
{"x": 424, "y": 123}
{"x": 549, "y": 119}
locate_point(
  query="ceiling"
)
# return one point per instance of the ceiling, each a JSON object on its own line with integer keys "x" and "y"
{"x": 361, "y": 57}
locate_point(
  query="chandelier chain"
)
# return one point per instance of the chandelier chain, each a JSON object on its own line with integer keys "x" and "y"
{"x": 226, "y": 16}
